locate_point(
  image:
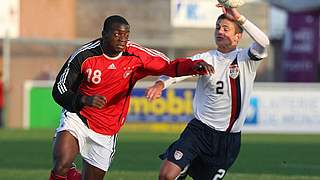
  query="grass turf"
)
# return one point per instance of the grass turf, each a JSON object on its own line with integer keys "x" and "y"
{"x": 26, "y": 155}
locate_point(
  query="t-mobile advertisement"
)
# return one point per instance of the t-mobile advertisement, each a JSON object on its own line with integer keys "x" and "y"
{"x": 301, "y": 47}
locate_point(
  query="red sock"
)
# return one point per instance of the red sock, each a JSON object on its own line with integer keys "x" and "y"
{"x": 56, "y": 177}
{"x": 73, "y": 174}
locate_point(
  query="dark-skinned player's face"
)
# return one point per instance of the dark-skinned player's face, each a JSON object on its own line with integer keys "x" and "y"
{"x": 117, "y": 37}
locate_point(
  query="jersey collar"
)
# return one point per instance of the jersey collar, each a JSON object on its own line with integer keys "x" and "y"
{"x": 230, "y": 55}
{"x": 112, "y": 58}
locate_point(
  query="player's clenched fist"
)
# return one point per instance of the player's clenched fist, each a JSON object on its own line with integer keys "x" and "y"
{"x": 94, "y": 101}
{"x": 204, "y": 67}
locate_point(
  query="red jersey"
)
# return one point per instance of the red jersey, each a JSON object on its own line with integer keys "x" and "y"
{"x": 90, "y": 72}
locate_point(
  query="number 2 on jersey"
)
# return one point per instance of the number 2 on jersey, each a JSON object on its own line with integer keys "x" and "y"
{"x": 219, "y": 89}
{"x": 94, "y": 77}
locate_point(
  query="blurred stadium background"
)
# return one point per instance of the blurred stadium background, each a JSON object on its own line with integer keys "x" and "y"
{"x": 282, "y": 130}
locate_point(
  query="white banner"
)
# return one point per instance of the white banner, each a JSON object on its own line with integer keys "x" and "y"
{"x": 194, "y": 13}
{"x": 9, "y": 18}
{"x": 274, "y": 107}
{"x": 284, "y": 108}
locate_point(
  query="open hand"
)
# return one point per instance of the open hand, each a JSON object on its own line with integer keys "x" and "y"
{"x": 155, "y": 91}
{"x": 232, "y": 13}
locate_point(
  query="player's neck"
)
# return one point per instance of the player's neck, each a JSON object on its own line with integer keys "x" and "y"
{"x": 226, "y": 50}
{"x": 109, "y": 53}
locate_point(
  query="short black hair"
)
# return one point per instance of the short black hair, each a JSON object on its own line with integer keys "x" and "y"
{"x": 239, "y": 29}
{"x": 113, "y": 19}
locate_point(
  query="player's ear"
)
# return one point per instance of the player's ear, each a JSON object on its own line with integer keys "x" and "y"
{"x": 238, "y": 36}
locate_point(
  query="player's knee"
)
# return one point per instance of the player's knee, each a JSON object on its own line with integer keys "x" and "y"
{"x": 168, "y": 176}
{"x": 62, "y": 167}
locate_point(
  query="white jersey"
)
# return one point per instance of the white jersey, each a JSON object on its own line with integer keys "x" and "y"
{"x": 222, "y": 99}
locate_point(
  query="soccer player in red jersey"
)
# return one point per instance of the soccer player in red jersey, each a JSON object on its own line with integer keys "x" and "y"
{"x": 94, "y": 87}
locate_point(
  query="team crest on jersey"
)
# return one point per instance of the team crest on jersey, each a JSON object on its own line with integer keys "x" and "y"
{"x": 234, "y": 71}
{"x": 127, "y": 73}
{"x": 178, "y": 155}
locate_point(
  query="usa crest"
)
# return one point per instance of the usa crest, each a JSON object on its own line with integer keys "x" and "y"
{"x": 178, "y": 155}
{"x": 234, "y": 71}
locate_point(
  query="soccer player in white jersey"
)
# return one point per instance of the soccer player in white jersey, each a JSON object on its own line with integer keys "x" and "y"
{"x": 211, "y": 141}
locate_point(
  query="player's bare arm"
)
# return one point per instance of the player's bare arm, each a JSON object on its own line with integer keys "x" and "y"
{"x": 155, "y": 91}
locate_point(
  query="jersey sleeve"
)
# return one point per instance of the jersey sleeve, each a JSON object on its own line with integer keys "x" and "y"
{"x": 146, "y": 54}
{"x": 175, "y": 68}
{"x": 244, "y": 57}
{"x": 258, "y": 49}
{"x": 168, "y": 81}
{"x": 156, "y": 63}
{"x": 198, "y": 56}
{"x": 66, "y": 85}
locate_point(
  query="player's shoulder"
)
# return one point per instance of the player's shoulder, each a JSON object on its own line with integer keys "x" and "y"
{"x": 242, "y": 54}
{"x": 132, "y": 44}
{"x": 132, "y": 47}
{"x": 204, "y": 55}
{"x": 89, "y": 49}
{"x": 139, "y": 50}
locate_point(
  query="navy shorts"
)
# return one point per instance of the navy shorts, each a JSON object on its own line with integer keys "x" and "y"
{"x": 207, "y": 153}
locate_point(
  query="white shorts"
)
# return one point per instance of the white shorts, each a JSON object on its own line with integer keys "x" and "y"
{"x": 96, "y": 149}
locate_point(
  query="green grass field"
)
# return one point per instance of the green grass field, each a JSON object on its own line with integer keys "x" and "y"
{"x": 26, "y": 155}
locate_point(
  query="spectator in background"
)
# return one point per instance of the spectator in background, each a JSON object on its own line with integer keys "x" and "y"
{"x": 94, "y": 87}
{"x": 45, "y": 74}
{"x": 211, "y": 141}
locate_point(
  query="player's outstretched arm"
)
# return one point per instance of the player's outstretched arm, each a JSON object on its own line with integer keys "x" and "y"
{"x": 155, "y": 91}
{"x": 156, "y": 63}
{"x": 179, "y": 67}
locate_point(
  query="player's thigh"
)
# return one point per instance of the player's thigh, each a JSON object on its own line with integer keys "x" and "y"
{"x": 65, "y": 147}
{"x": 214, "y": 163}
{"x": 186, "y": 148}
{"x": 200, "y": 170}
{"x": 90, "y": 172}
